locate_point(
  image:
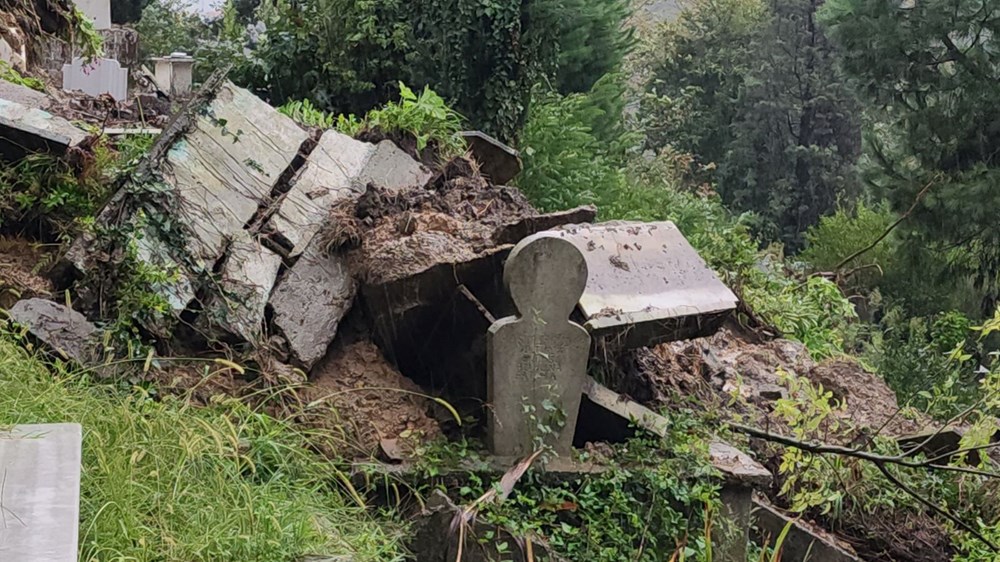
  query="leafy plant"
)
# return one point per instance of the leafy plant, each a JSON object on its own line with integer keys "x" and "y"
{"x": 10, "y": 74}
{"x": 425, "y": 117}
{"x": 305, "y": 113}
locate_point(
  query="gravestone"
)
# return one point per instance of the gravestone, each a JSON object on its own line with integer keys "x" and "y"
{"x": 102, "y": 76}
{"x": 537, "y": 360}
{"x": 40, "y": 492}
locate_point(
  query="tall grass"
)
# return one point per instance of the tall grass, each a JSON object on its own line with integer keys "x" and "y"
{"x": 166, "y": 481}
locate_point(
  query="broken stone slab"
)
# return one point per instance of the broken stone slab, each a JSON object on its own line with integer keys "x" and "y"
{"x": 179, "y": 292}
{"x": 741, "y": 475}
{"x": 328, "y": 177}
{"x": 940, "y": 442}
{"x": 391, "y": 168}
{"x": 227, "y": 165}
{"x": 513, "y": 233}
{"x": 40, "y": 472}
{"x": 310, "y": 301}
{"x": 627, "y": 410}
{"x": 647, "y": 285}
{"x": 60, "y": 328}
{"x": 804, "y": 541}
{"x": 497, "y": 161}
{"x": 24, "y": 130}
{"x": 248, "y": 274}
{"x": 537, "y": 359}
{"x": 24, "y": 95}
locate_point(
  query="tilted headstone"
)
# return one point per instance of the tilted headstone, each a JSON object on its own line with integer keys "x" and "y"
{"x": 101, "y": 76}
{"x": 40, "y": 492}
{"x": 537, "y": 360}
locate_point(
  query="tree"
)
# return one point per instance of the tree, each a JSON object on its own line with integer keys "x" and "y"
{"x": 768, "y": 106}
{"x": 484, "y": 56}
{"x": 930, "y": 68}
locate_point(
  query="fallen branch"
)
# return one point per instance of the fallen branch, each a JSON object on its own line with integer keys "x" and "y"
{"x": 881, "y": 462}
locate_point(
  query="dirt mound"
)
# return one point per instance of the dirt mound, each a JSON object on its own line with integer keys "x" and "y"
{"x": 19, "y": 276}
{"x": 396, "y": 235}
{"x": 715, "y": 368}
{"x": 354, "y": 391}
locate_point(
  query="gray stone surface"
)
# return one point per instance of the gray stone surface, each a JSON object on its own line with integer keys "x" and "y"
{"x": 647, "y": 284}
{"x": 328, "y": 177}
{"x": 393, "y": 169}
{"x": 737, "y": 466}
{"x": 227, "y": 165}
{"x": 625, "y": 408}
{"x": 497, "y": 161}
{"x": 24, "y": 95}
{"x": 40, "y": 492}
{"x": 247, "y": 278}
{"x": 60, "y": 328}
{"x": 804, "y": 541}
{"x": 24, "y": 129}
{"x": 537, "y": 360}
{"x": 310, "y": 301}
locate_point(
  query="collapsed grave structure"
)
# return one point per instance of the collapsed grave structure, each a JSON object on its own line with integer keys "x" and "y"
{"x": 354, "y": 264}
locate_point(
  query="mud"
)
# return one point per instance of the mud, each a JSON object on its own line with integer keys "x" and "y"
{"x": 356, "y": 393}
{"x": 20, "y": 262}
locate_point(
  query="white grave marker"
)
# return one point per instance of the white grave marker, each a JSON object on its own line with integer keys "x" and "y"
{"x": 40, "y": 492}
{"x": 101, "y": 76}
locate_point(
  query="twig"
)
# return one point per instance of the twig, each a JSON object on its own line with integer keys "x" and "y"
{"x": 906, "y": 215}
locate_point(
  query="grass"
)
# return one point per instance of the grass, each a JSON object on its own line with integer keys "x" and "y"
{"x": 163, "y": 480}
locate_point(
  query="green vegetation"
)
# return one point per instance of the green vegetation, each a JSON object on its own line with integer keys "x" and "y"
{"x": 164, "y": 480}
{"x": 10, "y": 74}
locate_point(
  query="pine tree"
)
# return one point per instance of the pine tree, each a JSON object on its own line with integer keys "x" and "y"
{"x": 769, "y": 108}
{"x": 931, "y": 68}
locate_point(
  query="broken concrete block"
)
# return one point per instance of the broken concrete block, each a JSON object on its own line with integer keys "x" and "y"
{"x": 248, "y": 275}
{"x": 741, "y": 476}
{"x": 497, "y": 161}
{"x": 647, "y": 285}
{"x": 226, "y": 166}
{"x": 310, "y": 301}
{"x": 804, "y": 541}
{"x": 24, "y": 95}
{"x": 24, "y": 130}
{"x": 512, "y": 233}
{"x": 62, "y": 329}
{"x": 327, "y": 178}
{"x": 628, "y": 410}
{"x": 179, "y": 293}
{"x": 40, "y": 475}
{"x": 393, "y": 169}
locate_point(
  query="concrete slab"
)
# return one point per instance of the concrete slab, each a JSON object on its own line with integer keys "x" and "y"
{"x": 328, "y": 177}
{"x": 248, "y": 275}
{"x": 647, "y": 285}
{"x": 60, "y": 328}
{"x": 391, "y": 168}
{"x": 497, "y": 161}
{"x": 226, "y": 166}
{"x": 310, "y": 301}
{"x": 626, "y": 409}
{"x": 40, "y": 492}
{"x": 24, "y": 130}
{"x": 24, "y": 95}
{"x": 804, "y": 541}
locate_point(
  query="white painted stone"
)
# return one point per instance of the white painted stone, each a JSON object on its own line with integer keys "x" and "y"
{"x": 310, "y": 301}
{"x": 225, "y": 167}
{"x": 247, "y": 278}
{"x": 327, "y": 178}
{"x": 537, "y": 360}
{"x": 174, "y": 74}
{"x": 101, "y": 76}
{"x": 99, "y": 11}
{"x": 40, "y": 492}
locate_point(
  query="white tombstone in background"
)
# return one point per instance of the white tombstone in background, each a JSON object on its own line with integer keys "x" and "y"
{"x": 40, "y": 473}
{"x": 175, "y": 74}
{"x": 99, "y": 11}
{"x": 101, "y": 76}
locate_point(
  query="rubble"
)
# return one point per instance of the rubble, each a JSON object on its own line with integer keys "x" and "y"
{"x": 26, "y": 129}
{"x": 60, "y": 328}
{"x": 310, "y": 301}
